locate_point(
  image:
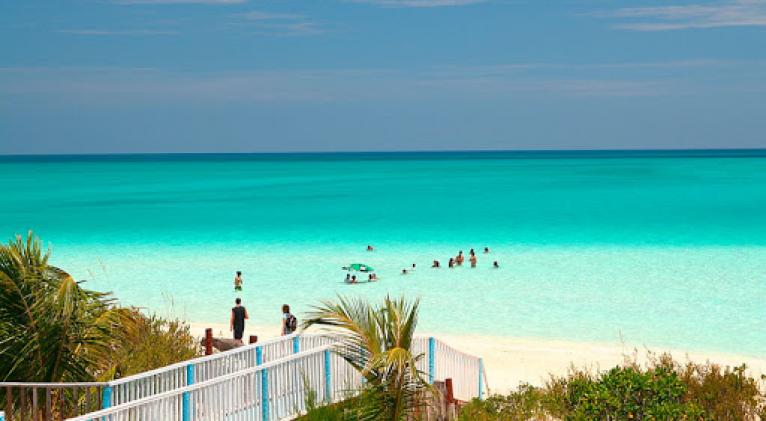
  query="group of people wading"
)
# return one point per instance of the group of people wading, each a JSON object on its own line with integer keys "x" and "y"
{"x": 460, "y": 259}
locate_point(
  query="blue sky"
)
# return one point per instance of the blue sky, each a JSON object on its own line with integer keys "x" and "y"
{"x": 102, "y": 76}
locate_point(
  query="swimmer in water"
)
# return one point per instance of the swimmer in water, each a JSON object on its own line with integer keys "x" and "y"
{"x": 435, "y": 264}
{"x": 370, "y": 248}
{"x": 404, "y": 271}
{"x": 486, "y": 250}
{"x": 238, "y": 281}
{"x": 495, "y": 265}
{"x": 451, "y": 263}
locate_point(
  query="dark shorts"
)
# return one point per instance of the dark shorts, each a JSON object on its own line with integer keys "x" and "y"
{"x": 238, "y": 333}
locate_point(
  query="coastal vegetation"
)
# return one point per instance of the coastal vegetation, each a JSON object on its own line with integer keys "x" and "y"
{"x": 663, "y": 389}
{"x": 376, "y": 341}
{"x": 52, "y": 330}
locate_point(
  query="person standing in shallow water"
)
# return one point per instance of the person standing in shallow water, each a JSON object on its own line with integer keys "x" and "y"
{"x": 460, "y": 258}
{"x": 238, "y": 281}
{"x": 238, "y": 317}
{"x": 473, "y": 260}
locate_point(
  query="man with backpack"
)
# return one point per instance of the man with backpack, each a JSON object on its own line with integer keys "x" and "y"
{"x": 289, "y": 322}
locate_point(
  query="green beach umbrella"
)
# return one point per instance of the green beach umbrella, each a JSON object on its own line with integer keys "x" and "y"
{"x": 361, "y": 267}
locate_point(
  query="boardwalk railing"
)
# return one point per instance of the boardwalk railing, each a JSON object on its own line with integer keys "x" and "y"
{"x": 208, "y": 367}
{"x": 441, "y": 362}
{"x": 49, "y": 401}
{"x": 279, "y": 389}
{"x": 272, "y": 391}
{"x": 56, "y": 401}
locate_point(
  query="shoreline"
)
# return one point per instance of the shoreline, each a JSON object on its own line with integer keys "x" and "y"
{"x": 510, "y": 361}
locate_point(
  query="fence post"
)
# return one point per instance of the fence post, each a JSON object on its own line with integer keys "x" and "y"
{"x": 106, "y": 397}
{"x": 327, "y": 378}
{"x": 265, "y": 394}
{"x": 189, "y": 381}
{"x": 431, "y": 356}
{"x": 264, "y": 384}
{"x": 296, "y": 344}
{"x": 481, "y": 378}
{"x": 209, "y": 341}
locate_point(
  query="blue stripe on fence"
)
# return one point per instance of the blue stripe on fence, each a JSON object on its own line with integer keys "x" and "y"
{"x": 431, "y": 357}
{"x": 265, "y": 394}
{"x": 186, "y": 403}
{"x": 106, "y": 397}
{"x": 327, "y": 384}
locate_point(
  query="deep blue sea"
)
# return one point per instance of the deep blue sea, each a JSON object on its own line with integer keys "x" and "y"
{"x": 666, "y": 249}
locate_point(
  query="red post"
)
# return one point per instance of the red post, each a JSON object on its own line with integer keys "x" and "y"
{"x": 253, "y": 339}
{"x": 450, "y": 395}
{"x": 208, "y": 341}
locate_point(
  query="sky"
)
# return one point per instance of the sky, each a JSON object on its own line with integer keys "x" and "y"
{"x": 147, "y": 76}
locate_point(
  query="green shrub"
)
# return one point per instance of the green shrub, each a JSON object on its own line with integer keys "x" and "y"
{"x": 155, "y": 343}
{"x": 661, "y": 390}
{"x": 528, "y": 403}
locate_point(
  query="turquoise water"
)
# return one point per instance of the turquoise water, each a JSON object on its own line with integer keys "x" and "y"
{"x": 663, "y": 249}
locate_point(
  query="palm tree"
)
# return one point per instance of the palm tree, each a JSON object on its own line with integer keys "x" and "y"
{"x": 377, "y": 341}
{"x": 51, "y": 329}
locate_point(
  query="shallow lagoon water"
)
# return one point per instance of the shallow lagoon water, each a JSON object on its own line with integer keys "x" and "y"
{"x": 660, "y": 249}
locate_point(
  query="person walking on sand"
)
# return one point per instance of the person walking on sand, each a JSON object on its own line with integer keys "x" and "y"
{"x": 238, "y": 281}
{"x": 289, "y": 322}
{"x": 238, "y": 317}
{"x": 473, "y": 260}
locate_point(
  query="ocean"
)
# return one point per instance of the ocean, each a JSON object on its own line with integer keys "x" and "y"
{"x": 661, "y": 248}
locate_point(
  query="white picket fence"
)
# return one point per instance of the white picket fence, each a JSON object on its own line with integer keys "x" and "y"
{"x": 200, "y": 369}
{"x": 278, "y": 389}
{"x": 272, "y": 391}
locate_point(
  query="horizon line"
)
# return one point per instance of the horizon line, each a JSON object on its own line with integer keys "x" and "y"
{"x": 382, "y": 152}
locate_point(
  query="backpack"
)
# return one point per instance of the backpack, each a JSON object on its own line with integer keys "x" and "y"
{"x": 291, "y": 323}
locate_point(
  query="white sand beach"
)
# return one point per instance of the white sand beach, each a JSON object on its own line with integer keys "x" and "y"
{"x": 510, "y": 361}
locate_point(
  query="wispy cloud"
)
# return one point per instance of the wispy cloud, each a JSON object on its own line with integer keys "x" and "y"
{"x": 280, "y": 24}
{"x": 420, "y": 3}
{"x": 690, "y": 16}
{"x": 111, "y": 33}
{"x": 258, "y": 15}
{"x": 153, "y": 86}
{"x": 214, "y": 2}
